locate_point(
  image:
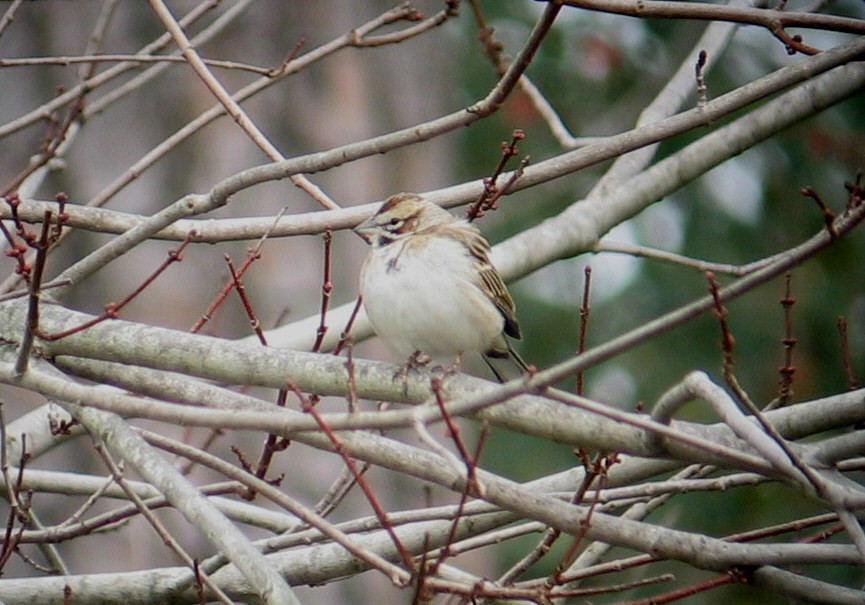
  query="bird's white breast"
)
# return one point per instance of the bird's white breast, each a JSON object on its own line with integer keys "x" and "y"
{"x": 422, "y": 294}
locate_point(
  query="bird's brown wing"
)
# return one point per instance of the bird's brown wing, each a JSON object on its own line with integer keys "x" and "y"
{"x": 490, "y": 280}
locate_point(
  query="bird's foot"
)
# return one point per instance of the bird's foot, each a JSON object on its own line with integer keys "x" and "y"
{"x": 450, "y": 370}
{"x": 416, "y": 361}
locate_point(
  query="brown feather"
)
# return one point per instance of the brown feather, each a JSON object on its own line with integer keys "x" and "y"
{"x": 491, "y": 281}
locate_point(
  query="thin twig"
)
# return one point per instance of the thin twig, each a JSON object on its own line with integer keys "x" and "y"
{"x": 9, "y": 15}
{"x": 237, "y": 286}
{"x": 156, "y": 524}
{"x": 397, "y": 576}
{"x": 112, "y": 309}
{"x": 585, "y": 309}
{"x": 492, "y": 191}
{"x": 345, "y": 335}
{"x": 326, "y": 289}
{"x": 404, "y": 554}
{"x": 32, "y": 326}
{"x": 787, "y": 371}
{"x": 773, "y": 20}
{"x": 231, "y": 106}
{"x": 828, "y": 215}
{"x": 136, "y": 58}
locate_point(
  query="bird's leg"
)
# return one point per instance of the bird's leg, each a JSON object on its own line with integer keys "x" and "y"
{"x": 416, "y": 361}
{"x": 454, "y": 368}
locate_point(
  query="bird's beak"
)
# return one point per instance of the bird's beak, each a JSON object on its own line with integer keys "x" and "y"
{"x": 364, "y": 230}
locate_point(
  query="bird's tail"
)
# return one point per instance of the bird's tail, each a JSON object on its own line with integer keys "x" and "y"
{"x": 520, "y": 364}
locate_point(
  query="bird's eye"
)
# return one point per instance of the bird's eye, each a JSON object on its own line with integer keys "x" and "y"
{"x": 394, "y": 222}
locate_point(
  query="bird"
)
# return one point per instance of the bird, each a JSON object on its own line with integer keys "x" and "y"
{"x": 429, "y": 288}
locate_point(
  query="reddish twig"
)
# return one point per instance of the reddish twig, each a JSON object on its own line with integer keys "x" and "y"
{"x": 74, "y": 527}
{"x": 23, "y": 239}
{"x": 62, "y": 216}
{"x": 141, "y": 59}
{"x": 308, "y": 407}
{"x": 609, "y": 589}
{"x": 289, "y": 57}
{"x": 252, "y": 255}
{"x": 855, "y": 193}
{"x": 345, "y": 336}
{"x": 585, "y": 309}
{"x": 688, "y": 591}
{"x": 845, "y": 354}
{"x": 422, "y": 593}
{"x": 199, "y": 582}
{"x": 238, "y": 287}
{"x": 30, "y": 330}
{"x": 787, "y": 370}
{"x": 492, "y": 192}
{"x": 244, "y": 462}
{"x": 492, "y": 47}
{"x": 453, "y": 431}
{"x": 596, "y": 471}
{"x": 551, "y": 535}
{"x": 19, "y": 506}
{"x": 112, "y": 310}
{"x": 828, "y": 215}
{"x": 775, "y": 21}
{"x": 749, "y": 536}
{"x": 793, "y": 44}
{"x": 824, "y": 534}
{"x": 728, "y": 342}
{"x": 17, "y": 250}
{"x": 55, "y": 135}
{"x": 272, "y": 445}
{"x": 410, "y": 14}
{"x": 326, "y": 289}
{"x": 470, "y": 460}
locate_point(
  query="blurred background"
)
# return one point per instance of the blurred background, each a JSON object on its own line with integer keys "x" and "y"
{"x": 598, "y": 71}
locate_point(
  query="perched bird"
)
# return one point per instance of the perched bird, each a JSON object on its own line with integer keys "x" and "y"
{"x": 429, "y": 288}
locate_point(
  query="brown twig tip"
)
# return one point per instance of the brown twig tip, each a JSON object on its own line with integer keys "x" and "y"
{"x": 492, "y": 191}
{"x": 16, "y": 250}
{"x": 828, "y": 215}
{"x": 728, "y": 342}
{"x": 793, "y": 44}
{"x": 517, "y": 135}
{"x": 345, "y": 339}
{"x": 699, "y": 70}
{"x": 112, "y": 309}
{"x": 289, "y": 57}
{"x": 62, "y": 216}
{"x": 856, "y": 192}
